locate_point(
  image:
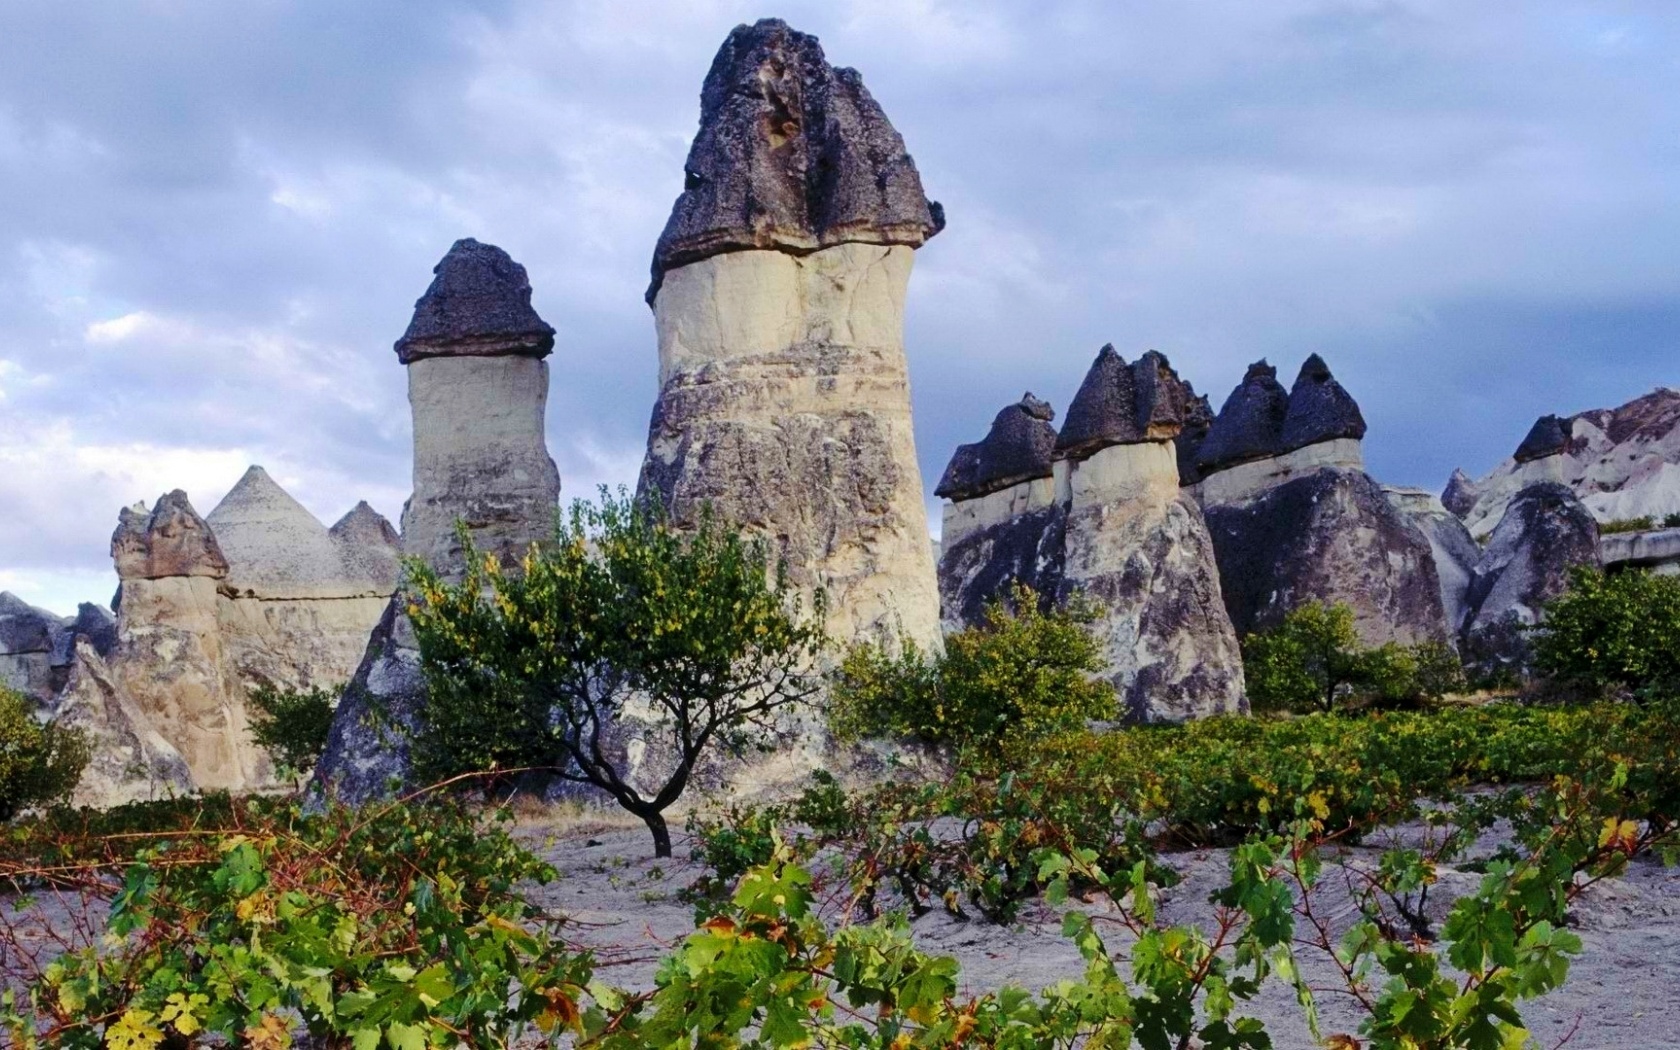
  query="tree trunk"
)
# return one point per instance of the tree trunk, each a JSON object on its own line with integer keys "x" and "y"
{"x": 661, "y": 833}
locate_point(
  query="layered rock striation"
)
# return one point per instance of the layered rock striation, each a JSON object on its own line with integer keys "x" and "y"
{"x": 1295, "y": 519}
{"x": 778, "y": 298}
{"x": 1103, "y": 518}
{"x": 478, "y": 388}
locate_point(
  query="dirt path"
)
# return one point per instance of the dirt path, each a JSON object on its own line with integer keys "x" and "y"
{"x": 1623, "y": 990}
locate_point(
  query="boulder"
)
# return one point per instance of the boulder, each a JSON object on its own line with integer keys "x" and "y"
{"x": 1319, "y": 409}
{"x": 478, "y": 387}
{"x": 1545, "y": 531}
{"x": 1018, "y": 448}
{"x": 1250, "y": 423}
{"x": 1455, "y": 552}
{"x": 1459, "y": 497}
{"x": 1549, "y": 436}
{"x": 792, "y": 155}
{"x": 1327, "y": 535}
{"x": 1120, "y": 403}
{"x": 778, "y": 301}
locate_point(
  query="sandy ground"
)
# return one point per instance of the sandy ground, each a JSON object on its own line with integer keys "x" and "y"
{"x": 1623, "y": 990}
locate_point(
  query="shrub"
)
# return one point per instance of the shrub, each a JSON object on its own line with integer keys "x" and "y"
{"x": 538, "y": 669}
{"x": 1671, "y": 521}
{"x": 39, "y": 763}
{"x": 1610, "y": 528}
{"x": 1313, "y": 661}
{"x": 1306, "y": 662}
{"x": 1612, "y": 631}
{"x": 292, "y": 724}
{"x": 1023, "y": 672}
{"x": 400, "y": 928}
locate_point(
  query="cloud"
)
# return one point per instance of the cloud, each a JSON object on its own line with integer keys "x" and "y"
{"x": 214, "y": 220}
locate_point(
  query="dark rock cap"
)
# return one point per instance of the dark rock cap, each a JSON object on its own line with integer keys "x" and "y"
{"x": 1547, "y": 437}
{"x": 1319, "y": 409}
{"x": 1020, "y": 446}
{"x": 791, "y": 154}
{"x": 1120, "y": 404}
{"x": 1250, "y": 424}
{"x": 479, "y": 305}
{"x": 1459, "y": 497}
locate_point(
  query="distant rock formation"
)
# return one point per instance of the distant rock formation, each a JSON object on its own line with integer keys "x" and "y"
{"x": 1106, "y": 519}
{"x": 370, "y": 547}
{"x": 1295, "y": 519}
{"x": 1621, "y": 463}
{"x": 1544, "y": 532}
{"x": 477, "y": 386}
{"x": 1456, "y": 554}
{"x": 132, "y": 760}
{"x": 778, "y": 297}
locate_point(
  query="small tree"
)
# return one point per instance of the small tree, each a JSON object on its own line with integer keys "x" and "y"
{"x": 1612, "y": 631}
{"x": 623, "y": 613}
{"x": 1305, "y": 661}
{"x": 1024, "y": 672}
{"x": 292, "y": 724}
{"x": 39, "y": 763}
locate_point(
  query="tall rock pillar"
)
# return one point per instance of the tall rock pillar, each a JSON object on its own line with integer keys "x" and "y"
{"x": 778, "y": 297}
{"x": 478, "y": 387}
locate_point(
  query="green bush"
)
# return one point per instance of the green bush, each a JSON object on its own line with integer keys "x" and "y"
{"x": 39, "y": 763}
{"x": 690, "y": 629}
{"x": 1671, "y": 521}
{"x": 292, "y": 724}
{"x": 1024, "y": 672}
{"x": 1612, "y": 632}
{"x": 1314, "y": 661}
{"x": 1610, "y": 528}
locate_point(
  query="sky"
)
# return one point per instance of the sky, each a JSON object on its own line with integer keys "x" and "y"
{"x": 215, "y": 219}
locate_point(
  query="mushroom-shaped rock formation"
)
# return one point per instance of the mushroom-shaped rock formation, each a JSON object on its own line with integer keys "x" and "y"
{"x": 778, "y": 301}
{"x": 479, "y": 304}
{"x": 1319, "y": 409}
{"x": 1549, "y": 436}
{"x": 477, "y": 388}
{"x": 1250, "y": 423}
{"x": 792, "y": 154}
{"x": 1120, "y": 404}
{"x": 370, "y": 546}
{"x": 168, "y": 540}
{"x": 1018, "y": 448}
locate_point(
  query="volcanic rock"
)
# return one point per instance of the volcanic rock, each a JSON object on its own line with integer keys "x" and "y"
{"x": 1328, "y": 535}
{"x": 1545, "y": 531}
{"x": 1120, "y": 404}
{"x": 1319, "y": 409}
{"x": 478, "y": 305}
{"x": 793, "y": 155}
{"x": 168, "y": 541}
{"x": 1455, "y": 552}
{"x": 1249, "y": 425}
{"x": 1459, "y": 497}
{"x": 27, "y": 637}
{"x": 1548, "y": 436}
{"x": 1198, "y": 420}
{"x": 369, "y": 546}
{"x": 1018, "y": 448}
{"x": 779, "y": 304}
